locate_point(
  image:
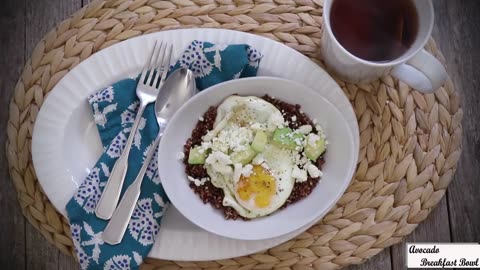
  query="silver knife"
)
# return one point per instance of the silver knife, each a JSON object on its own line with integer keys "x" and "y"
{"x": 178, "y": 88}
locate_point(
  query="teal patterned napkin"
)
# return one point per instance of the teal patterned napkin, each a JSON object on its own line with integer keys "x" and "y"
{"x": 114, "y": 109}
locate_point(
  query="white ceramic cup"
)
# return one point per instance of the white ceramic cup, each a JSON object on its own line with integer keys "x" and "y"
{"x": 415, "y": 67}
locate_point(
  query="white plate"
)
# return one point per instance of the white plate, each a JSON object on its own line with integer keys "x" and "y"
{"x": 337, "y": 171}
{"x": 65, "y": 143}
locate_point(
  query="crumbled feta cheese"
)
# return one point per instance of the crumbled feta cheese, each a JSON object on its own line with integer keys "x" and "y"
{"x": 320, "y": 131}
{"x": 218, "y": 157}
{"x": 305, "y": 129}
{"x": 314, "y": 121}
{"x": 258, "y": 159}
{"x": 218, "y": 145}
{"x": 235, "y": 138}
{"x": 180, "y": 156}
{"x": 300, "y": 159}
{"x": 207, "y": 137}
{"x": 296, "y": 158}
{"x": 312, "y": 139}
{"x": 299, "y": 142}
{"x": 203, "y": 180}
{"x": 206, "y": 145}
{"x": 200, "y": 119}
{"x": 219, "y": 162}
{"x": 304, "y": 159}
{"x": 299, "y": 175}
{"x": 313, "y": 171}
{"x": 294, "y": 118}
{"x": 247, "y": 170}
{"x": 198, "y": 182}
{"x": 239, "y": 170}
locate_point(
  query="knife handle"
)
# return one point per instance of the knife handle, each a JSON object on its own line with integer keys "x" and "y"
{"x": 111, "y": 193}
{"x": 116, "y": 227}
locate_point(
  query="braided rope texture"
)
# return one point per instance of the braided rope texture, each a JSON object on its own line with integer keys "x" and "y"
{"x": 409, "y": 142}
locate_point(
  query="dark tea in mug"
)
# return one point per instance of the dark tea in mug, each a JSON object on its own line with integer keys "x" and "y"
{"x": 375, "y": 30}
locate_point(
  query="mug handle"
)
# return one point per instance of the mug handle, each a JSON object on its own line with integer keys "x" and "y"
{"x": 423, "y": 72}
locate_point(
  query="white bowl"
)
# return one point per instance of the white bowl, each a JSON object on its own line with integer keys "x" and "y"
{"x": 338, "y": 169}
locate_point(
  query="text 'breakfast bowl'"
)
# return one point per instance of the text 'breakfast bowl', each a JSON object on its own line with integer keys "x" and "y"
{"x": 256, "y": 158}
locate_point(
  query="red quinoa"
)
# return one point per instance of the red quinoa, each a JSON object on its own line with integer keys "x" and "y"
{"x": 213, "y": 195}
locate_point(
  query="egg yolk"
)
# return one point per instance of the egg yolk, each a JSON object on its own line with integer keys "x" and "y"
{"x": 260, "y": 184}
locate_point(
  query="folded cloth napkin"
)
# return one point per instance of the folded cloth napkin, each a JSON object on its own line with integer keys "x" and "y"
{"x": 114, "y": 110}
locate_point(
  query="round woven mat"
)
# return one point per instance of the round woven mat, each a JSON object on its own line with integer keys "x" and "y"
{"x": 409, "y": 142}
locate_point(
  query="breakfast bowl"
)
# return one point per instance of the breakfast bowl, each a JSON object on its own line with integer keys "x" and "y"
{"x": 249, "y": 208}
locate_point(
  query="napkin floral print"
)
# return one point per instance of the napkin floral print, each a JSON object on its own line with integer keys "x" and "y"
{"x": 212, "y": 63}
{"x": 114, "y": 109}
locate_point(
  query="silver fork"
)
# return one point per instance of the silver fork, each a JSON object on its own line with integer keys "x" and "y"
{"x": 154, "y": 72}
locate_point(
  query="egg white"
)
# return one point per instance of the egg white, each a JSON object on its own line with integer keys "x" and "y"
{"x": 249, "y": 112}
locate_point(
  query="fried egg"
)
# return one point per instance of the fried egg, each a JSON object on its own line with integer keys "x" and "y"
{"x": 263, "y": 185}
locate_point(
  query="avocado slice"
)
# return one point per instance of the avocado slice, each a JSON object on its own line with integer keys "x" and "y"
{"x": 259, "y": 141}
{"x": 315, "y": 146}
{"x": 197, "y": 156}
{"x": 244, "y": 157}
{"x": 287, "y": 138}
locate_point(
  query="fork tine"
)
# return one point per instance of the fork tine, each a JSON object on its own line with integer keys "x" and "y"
{"x": 153, "y": 64}
{"x": 158, "y": 65}
{"x": 165, "y": 66}
{"x": 160, "y": 55}
{"x": 147, "y": 64}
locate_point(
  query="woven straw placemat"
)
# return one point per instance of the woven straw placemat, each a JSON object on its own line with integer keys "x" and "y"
{"x": 409, "y": 142}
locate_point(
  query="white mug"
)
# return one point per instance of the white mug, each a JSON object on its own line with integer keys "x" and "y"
{"x": 415, "y": 67}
